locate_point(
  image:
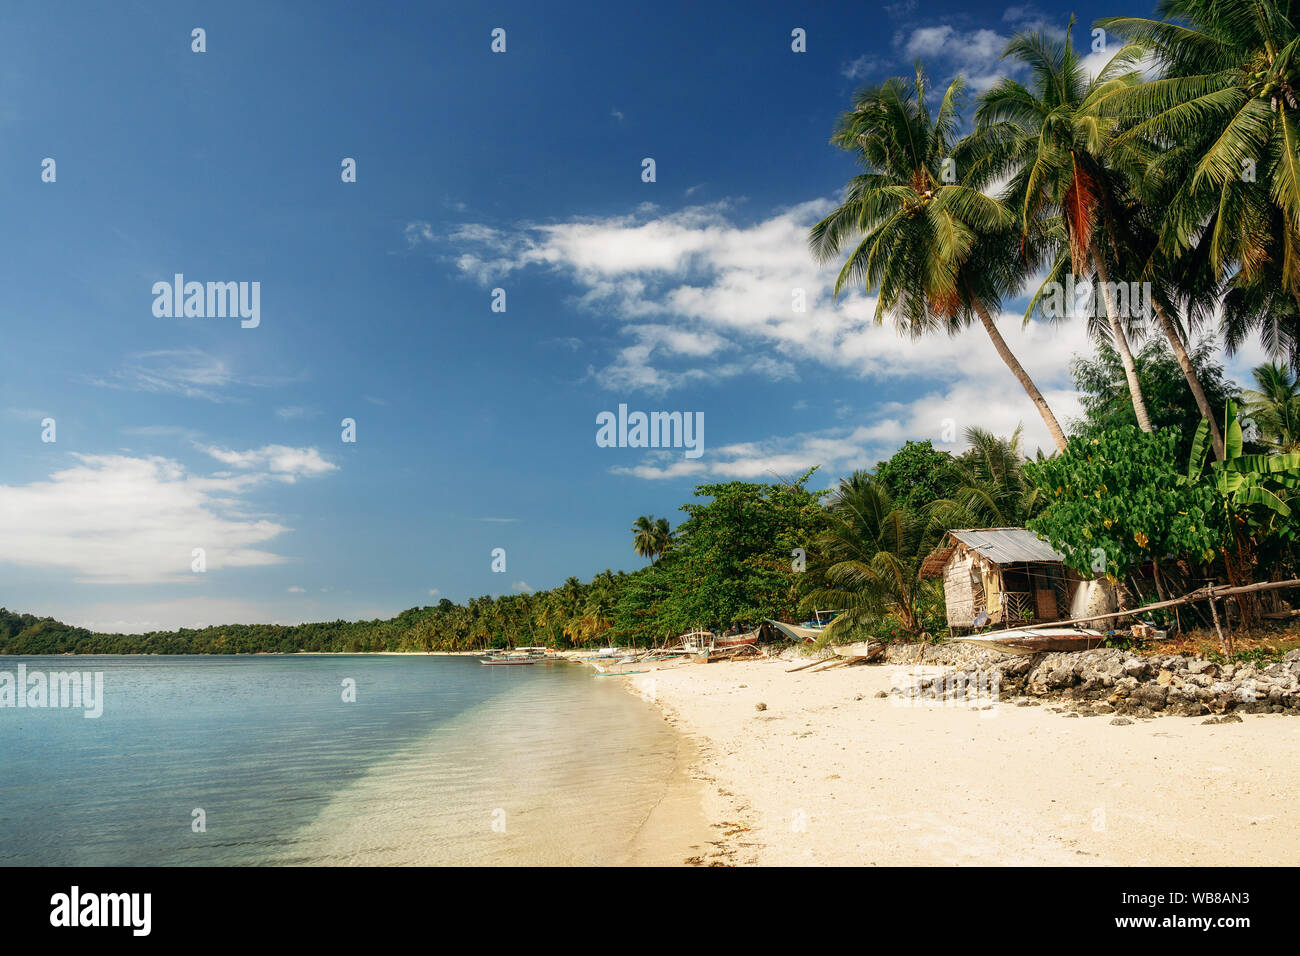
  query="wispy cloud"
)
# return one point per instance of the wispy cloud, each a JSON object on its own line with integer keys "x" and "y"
{"x": 280, "y": 461}
{"x": 862, "y": 67}
{"x": 418, "y": 231}
{"x": 188, "y": 372}
{"x": 26, "y": 414}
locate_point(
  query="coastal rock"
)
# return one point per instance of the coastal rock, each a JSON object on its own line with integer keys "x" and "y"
{"x": 1061, "y": 677}
{"x": 1120, "y": 722}
{"x": 1151, "y": 696}
{"x": 1106, "y": 681}
{"x": 1136, "y": 668}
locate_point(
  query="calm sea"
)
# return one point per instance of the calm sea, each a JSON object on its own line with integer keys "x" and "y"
{"x": 438, "y": 760}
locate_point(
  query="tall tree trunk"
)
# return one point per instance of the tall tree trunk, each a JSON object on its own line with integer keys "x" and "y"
{"x": 1021, "y": 375}
{"x": 1194, "y": 383}
{"x": 1121, "y": 340}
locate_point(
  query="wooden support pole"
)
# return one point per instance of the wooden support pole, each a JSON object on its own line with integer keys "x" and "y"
{"x": 1223, "y": 645}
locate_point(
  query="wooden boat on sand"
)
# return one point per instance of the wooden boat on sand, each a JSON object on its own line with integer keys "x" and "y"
{"x": 862, "y": 651}
{"x": 1034, "y": 639}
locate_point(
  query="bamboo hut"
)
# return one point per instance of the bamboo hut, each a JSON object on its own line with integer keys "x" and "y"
{"x": 1009, "y": 577}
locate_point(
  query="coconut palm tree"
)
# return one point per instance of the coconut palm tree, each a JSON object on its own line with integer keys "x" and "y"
{"x": 651, "y": 537}
{"x": 598, "y": 608}
{"x": 992, "y": 489}
{"x": 1058, "y": 155}
{"x": 868, "y": 560}
{"x": 1274, "y": 407}
{"x": 932, "y": 247}
{"x": 1222, "y": 122}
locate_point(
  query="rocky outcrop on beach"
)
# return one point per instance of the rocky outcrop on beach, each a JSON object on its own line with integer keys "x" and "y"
{"x": 1105, "y": 681}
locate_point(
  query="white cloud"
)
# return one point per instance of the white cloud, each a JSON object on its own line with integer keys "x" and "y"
{"x": 975, "y": 54}
{"x": 118, "y": 519}
{"x": 703, "y": 299}
{"x": 285, "y": 463}
{"x": 296, "y": 590}
{"x": 521, "y": 586}
{"x": 434, "y": 592}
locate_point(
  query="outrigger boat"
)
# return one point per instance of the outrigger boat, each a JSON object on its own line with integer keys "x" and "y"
{"x": 520, "y": 655}
{"x": 636, "y": 662}
{"x": 861, "y": 651}
{"x": 704, "y": 646}
{"x": 808, "y": 630}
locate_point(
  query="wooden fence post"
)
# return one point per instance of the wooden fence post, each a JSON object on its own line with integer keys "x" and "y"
{"x": 1214, "y": 611}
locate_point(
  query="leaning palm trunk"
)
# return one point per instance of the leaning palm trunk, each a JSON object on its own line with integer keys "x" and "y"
{"x": 1121, "y": 341}
{"x": 1022, "y": 376}
{"x": 1193, "y": 383}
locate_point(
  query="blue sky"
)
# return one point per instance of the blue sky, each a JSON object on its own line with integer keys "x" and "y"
{"x": 476, "y": 170}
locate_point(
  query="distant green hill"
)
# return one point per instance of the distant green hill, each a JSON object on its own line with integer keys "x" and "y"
{"x": 412, "y": 630}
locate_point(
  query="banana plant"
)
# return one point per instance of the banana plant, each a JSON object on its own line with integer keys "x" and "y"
{"x": 1245, "y": 480}
{"x": 1255, "y": 490}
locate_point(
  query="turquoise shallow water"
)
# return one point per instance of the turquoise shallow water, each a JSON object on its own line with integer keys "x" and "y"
{"x": 439, "y": 760}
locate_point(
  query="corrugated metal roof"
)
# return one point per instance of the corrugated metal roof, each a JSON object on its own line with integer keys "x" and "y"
{"x": 1008, "y": 545}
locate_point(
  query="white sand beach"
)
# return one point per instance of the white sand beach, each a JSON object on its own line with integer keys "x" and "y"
{"x": 829, "y": 773}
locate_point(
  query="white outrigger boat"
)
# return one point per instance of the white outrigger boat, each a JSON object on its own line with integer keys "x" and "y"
{"x": 519, "y": 655}
{"x": 703, "y": 646}
{"x": 636, "y": 662}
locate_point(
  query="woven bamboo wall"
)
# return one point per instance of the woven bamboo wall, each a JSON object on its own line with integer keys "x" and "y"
{"x": 959, "y": 591}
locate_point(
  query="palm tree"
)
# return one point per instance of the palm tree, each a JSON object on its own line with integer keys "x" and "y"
{"x": 935, "y": 250}
{"x": 598, "y": 609}
{"x": 992, "y": 489}
{"x": 651, "y": 537}
{"x": 1274, "y": 407}
{"x": 868, "y": 560}
{"x": 1058, "y": 154}
{"x": 1222, "y": 121}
